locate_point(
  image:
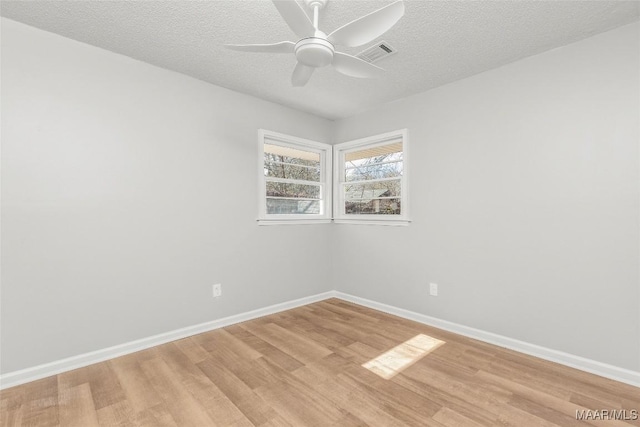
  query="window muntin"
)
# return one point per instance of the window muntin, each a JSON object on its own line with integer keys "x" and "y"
{"x": 292, "y": 190}
{"x": 371, "y": 179}
{"x": 294, "y": 182}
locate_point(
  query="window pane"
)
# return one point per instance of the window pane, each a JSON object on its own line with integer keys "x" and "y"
{"x": 372, "y": 190}
{"x": 378, "y": 162}
{"x": 277, "y": 169}
{"x": 363, "y": 161}
{"x": 285, "y": 189}
{"x": 373, "y": 207}
{"x": 293, "y": 207}
{"x": 279, "y": 153}
{"x": 373, "y": 152}
{"x": 364, "y": 172}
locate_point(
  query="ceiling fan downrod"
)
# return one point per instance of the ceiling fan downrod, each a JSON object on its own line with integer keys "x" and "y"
{"x": 316, "y": 5}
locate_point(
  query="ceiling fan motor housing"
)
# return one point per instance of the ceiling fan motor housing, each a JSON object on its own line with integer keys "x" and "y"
{"x": 314, "y": 52}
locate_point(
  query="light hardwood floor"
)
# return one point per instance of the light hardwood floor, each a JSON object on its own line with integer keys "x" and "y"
{"x": 303, "y": 367}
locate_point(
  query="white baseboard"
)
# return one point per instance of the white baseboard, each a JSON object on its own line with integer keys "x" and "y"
{"x": 22, "y": 376}
{"x": 53, "y": 368}
{"x": 598, "y": 368}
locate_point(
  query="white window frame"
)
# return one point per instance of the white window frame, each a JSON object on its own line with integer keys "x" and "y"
{"x": 325, "y": 151}
{"x": 339, "y": 151}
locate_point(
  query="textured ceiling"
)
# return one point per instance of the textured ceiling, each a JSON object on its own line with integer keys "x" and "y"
{"x": 437, "y": 41}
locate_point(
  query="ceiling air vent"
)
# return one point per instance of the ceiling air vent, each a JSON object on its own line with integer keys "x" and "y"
{"x": 376, "y": 52}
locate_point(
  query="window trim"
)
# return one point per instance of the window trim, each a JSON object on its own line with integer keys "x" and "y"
{"x": 339, "y": 150}
{"x": 326, "y": 156}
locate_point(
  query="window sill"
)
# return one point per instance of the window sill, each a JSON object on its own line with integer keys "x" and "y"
{"x": 293, "y": 221}
{"x": 387, "y": 222}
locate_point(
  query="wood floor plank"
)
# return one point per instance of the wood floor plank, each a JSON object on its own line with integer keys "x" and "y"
{"x": 40, "y": 403}
{"x": 548, "y": 372}
{"x": 119, "y": 414}
{"x": 12, "y": 404}
{"x": 304, "y": 367}
{"x": 156, "y": 416}
{"x": 450, "y": 392}
{"x": 221, "y": 339}
{"x": 296, "y": 402}
{"x": 269, "y": 351}
{"x": 404, "y": 401}
{"x": 330, "y": 321}
{"x": 192, "y": 350}
{"x": 11, "y": 412}
{"x": 77, "y": 406}
{"x": 339, "y": 395}
{"x": 325, "y": 337}
{"x": 451, "y": 418}
{"x": 217, "y": 405}
{"x": 299, "y": 347}
{"x": 135, "y": 384}
{"x": 542, "y": 400}
{"x": 359, "y": 353}
{"x": 248, "y": 402}
{"x": 590, "y": 402}
{"x": 183, "y": 408}
{"x": 105, "y": 387}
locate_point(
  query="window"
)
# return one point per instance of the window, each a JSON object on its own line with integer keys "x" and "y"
{"x": 370, "y": 180}
{"x": 294, "y": 184}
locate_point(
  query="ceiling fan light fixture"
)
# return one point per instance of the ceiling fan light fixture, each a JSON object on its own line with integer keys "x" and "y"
{"x": 314, "y": 52}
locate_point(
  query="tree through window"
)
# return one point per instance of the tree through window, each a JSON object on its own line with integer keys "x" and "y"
{"x": 294, "y": 181}
{"x": 371, "y": 178}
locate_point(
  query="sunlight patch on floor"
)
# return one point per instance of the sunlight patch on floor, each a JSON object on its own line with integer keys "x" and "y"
{"x": 402, "y": 356}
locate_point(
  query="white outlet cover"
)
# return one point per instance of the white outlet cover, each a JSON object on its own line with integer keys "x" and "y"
{"x": 217, "y": 290}
{"x": 433, "y": 289}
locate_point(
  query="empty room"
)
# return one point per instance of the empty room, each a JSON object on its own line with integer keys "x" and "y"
{"x": 320, "y": 213}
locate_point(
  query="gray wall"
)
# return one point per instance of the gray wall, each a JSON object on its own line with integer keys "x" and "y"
{"x": 525, "y": 196}
{"x": 127, "y": 191}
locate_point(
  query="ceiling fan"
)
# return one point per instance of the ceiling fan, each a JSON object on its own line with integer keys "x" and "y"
{"x": 316, "y": 49}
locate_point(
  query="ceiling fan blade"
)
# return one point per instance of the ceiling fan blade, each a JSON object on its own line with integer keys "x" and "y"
{"x": 301, "y": 74}
{"x": 295, "y": 17}
{"x": 355, "y": 67}
{"x": 369, "y": 27}
{"x": 282, "y": 47}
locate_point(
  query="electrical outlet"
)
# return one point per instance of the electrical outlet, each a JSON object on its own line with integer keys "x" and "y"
{"x": 433, "y": 289}
{"x": 217, "y": 290}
